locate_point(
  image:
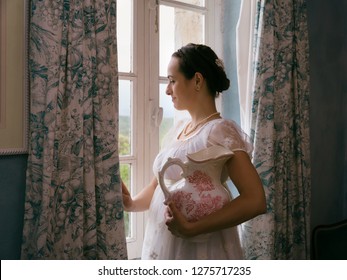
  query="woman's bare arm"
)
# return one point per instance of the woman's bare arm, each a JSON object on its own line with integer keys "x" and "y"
{"x": 142, "y": 200}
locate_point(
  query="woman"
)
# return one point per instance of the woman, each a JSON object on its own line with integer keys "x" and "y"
{"x": 196, "y": 77}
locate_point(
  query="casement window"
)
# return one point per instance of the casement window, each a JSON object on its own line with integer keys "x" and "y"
{"x": 148, "y": 32}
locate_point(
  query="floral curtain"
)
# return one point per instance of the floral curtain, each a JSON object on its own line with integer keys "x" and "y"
{"x": 280, "y": 131}
{"x": 73, "y": 205}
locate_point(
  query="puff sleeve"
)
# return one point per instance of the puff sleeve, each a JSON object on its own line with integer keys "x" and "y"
{"x": 228, "y": 134}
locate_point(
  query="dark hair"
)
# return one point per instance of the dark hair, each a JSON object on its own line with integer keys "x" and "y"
{"x": 200, "y": 58}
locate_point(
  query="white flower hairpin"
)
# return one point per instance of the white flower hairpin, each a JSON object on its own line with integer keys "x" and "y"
{"x": 219, "y": 63}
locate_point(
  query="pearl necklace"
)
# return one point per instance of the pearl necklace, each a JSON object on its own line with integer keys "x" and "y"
{"x": 185, "y": 131}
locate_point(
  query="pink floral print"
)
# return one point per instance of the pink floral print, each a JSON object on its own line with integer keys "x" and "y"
{"x": 204, "y": 204}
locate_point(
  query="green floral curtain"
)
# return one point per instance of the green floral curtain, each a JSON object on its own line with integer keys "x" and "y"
{"x": 73, "y": 205}
{"x": 280, "y": 130}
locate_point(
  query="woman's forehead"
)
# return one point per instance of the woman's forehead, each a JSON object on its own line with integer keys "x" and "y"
{"x": 173, "y": 66}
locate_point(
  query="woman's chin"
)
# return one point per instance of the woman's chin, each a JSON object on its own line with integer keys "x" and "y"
{"x": 177, "y": 106}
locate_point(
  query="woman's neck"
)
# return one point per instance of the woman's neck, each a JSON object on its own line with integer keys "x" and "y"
{"x": 203, "y": 113}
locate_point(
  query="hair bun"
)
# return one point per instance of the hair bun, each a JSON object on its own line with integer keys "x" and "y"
{"x": 223, "y": 85}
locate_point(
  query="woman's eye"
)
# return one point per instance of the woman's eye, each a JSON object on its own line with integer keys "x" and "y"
{"x": 171, "y": 81}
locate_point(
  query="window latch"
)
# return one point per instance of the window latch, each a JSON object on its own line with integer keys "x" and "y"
{"x": 157, "y": 116}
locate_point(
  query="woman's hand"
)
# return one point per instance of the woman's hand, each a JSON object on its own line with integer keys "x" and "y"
{"x": 127, "y": 200}
{"x": 177, "y": 223}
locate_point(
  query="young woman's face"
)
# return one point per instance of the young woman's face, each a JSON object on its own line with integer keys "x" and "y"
{"x": 179, "y": 88}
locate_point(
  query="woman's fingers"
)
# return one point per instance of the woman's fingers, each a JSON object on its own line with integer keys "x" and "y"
{"x": 125, "y": 189}
{"x": 127, "y": 200}
{"x": 174, "y": 220}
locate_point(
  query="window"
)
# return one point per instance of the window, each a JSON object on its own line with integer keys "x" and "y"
{"x": 148, "y": 32}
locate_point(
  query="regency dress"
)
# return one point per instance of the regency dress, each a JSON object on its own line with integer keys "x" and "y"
{"x": 159, "y": 243}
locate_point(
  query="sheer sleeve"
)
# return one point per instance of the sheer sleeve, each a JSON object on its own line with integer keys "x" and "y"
{"x": 229, "y": 135}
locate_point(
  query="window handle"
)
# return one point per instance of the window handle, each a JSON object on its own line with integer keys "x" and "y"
{"x": 157, "y": 116}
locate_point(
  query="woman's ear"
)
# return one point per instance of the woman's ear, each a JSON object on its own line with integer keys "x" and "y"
{"x": 198, "y": 80}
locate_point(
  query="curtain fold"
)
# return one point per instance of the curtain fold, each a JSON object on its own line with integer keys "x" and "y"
{"x": 280, "y": 131}
{"x": 73, "y": 205}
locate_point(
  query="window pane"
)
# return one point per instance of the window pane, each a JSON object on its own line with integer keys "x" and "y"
{"x": 125, "y": 93}
{"x": 178, "y": 27}
{"x": 124, "y": 35}
{"x": 200, "y": 3}
{"x": 125, "y": 173}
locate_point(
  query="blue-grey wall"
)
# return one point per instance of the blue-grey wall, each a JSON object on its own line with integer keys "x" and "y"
{"x": 12, "y": 190}
{"x": 328, "y": 67}
{"x": 230, "y": 98}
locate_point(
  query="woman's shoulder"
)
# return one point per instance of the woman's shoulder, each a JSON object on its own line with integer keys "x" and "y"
{"x": 229, "y": 134}
{"x": 226, "y": 125}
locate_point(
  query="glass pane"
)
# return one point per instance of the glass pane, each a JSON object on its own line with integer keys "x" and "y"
{"x": 124, "y": 35}
{"x": 200, "y": 3}
{"x": 168, "y": 112}
{"x": 125, "y": 173}
{"x": 178, "y": 27}
{"x": 125, "y": 93}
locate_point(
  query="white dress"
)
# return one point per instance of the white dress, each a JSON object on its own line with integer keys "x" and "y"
{"x": 159, "y": 243}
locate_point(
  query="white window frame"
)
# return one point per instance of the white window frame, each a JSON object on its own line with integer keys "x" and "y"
{"x": 145, "y": 105}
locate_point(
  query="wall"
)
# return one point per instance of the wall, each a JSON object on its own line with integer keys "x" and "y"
{"x": 12, "y": 190}
{"x": 12, "y": 82}
{"x": 12, "y": 168}
{"x": 328, "y": 61}
{"x": 230, "y": 98}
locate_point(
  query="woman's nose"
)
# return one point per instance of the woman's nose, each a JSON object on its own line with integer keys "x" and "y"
{"x": 168, "y": 90}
